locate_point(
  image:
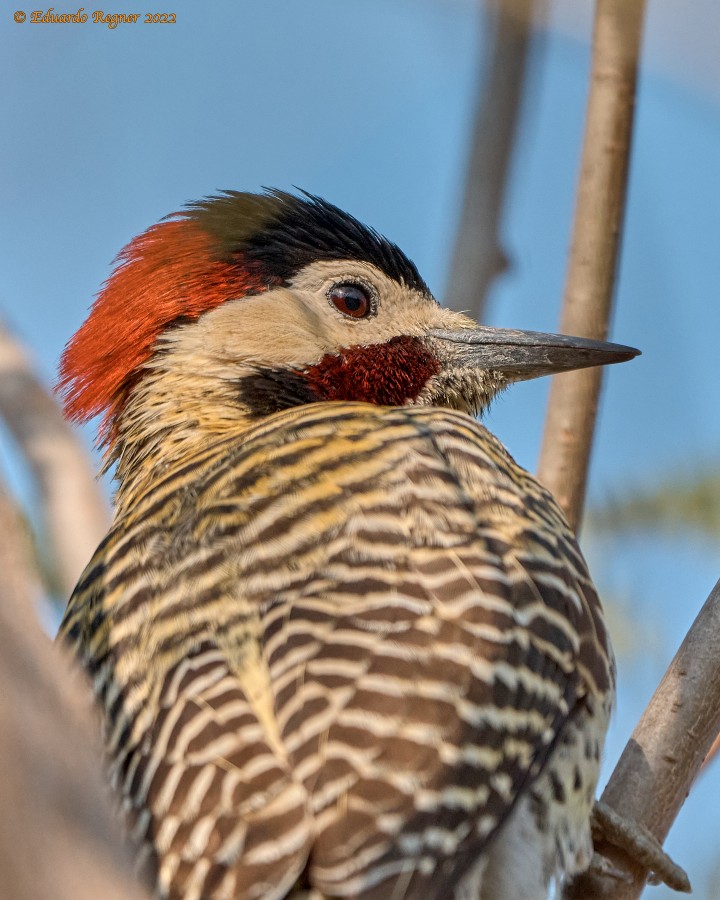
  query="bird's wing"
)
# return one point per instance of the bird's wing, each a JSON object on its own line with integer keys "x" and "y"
{"x": 429, "y": 628}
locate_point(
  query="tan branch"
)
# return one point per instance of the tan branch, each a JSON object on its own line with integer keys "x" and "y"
{"x": 587, "y": 304}
{"x": 75, "y": 512}
{"x": 666, "y": 750}
{"x": 57, "y": 836}
{"x": 478, "y": 256}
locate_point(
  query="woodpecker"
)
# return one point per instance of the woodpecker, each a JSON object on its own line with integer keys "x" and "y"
{"x": 343, "y": 644}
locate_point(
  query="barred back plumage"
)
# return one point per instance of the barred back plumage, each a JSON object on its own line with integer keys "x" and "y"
{"x": 351, "y": 633}
{"x": 343, "y": 644}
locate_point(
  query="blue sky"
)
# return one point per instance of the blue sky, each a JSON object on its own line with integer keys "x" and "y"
{"x": 369, "y": 103}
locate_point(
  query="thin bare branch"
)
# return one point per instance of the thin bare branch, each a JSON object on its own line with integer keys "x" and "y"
{"x": 75, "y": 512}
{"x": 57, "y": 836}
{"x": 587, "y": 304}
{"x": 478, "y": 257}
{"x": 666, "y": 750}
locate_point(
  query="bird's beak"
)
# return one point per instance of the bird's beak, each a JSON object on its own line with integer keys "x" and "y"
{"x": 521, "y": 355}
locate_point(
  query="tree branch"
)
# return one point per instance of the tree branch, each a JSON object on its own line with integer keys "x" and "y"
{"x": 665, "y": 752}
{"x": 478, "y": 256}
{"x": 57, "y": 836}
{"x": 589, "y": 287}
{"x": 75, "y": 512}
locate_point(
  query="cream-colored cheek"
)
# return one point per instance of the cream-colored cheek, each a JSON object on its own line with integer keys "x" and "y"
{"x": 275, "y": 330}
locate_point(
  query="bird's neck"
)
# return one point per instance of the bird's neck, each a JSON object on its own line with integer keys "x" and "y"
{"x": 171, "y": 419}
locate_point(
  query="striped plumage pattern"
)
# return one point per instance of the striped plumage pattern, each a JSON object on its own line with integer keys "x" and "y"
{"x": 342, "y": 651}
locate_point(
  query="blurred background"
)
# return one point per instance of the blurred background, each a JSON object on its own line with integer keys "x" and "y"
{"x": 372, "y": 105}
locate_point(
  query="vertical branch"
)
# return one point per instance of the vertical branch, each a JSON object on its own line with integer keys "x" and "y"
{"x": 58, "y": 837}
{"x": 74, "y": 510}
{"x": 478, "y": 256}
{"x": 587, "y": 304}
{"x": 665, "y": 752}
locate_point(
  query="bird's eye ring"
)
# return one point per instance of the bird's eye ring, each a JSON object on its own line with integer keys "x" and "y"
{"x": 353, "y": 300}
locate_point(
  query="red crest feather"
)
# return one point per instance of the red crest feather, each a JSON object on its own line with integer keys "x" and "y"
{"x": 164, "y": 274}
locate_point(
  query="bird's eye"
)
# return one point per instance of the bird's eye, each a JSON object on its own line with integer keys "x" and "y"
{"x": 351, "y": 300}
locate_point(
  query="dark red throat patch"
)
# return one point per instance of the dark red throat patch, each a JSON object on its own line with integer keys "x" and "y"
{"x": 165, "y": 274}
{"x": 389, "y": 374}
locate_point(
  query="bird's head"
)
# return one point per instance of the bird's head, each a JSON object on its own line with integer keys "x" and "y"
{"x": 243, "y": 305}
